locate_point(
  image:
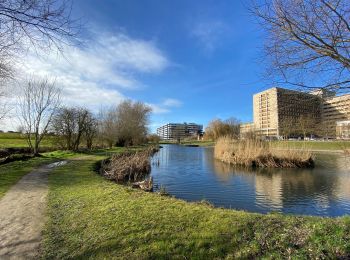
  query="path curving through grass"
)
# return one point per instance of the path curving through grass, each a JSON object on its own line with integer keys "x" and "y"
{"x": 23, "y": 214}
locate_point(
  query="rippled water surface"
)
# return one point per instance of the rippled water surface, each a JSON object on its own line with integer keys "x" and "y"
{"x": 192, "y": 174}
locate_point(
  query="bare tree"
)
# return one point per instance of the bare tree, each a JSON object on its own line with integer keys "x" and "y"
{"x": 307, "y": 125}
{"x": 38, "y": 101}
{"x": 64, "y": 124}
{"x": 308, "y": 42}
{"x": 3, "y": 106}
{"x": 153, "y": 138}
{"x": 125, "y": 124}
{"x": 33, "y": 23}
{"x": 91, "y": 130}
{"x": 132, "y": 120}
{"x": 288, "y": 126}
{"x": 74, "y": 124}
{"x": 24, "y": 25}
{"x": 217, "y": 128}
{"x": 107, "y": 131}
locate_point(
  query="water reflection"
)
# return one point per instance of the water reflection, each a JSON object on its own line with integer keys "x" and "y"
{"x": 192, "y": 174}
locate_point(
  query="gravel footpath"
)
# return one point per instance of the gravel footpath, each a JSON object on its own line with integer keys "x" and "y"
{"x": 22, "y": 215}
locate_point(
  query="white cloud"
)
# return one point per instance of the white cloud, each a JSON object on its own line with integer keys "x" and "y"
{"x": 171, "y": 102}
{"x": 209, "y": 33}
{"x": 98, "y": 71}
{"x": 165, "y": 106}
{"x": 158, "y": 109}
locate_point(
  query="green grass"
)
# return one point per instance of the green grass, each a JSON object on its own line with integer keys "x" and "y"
{"x": 19, "y": 140}
{"x": 199, "y": 143}
{"x": 10, "y": 173}
{"x": 313, "y": 145}
{"x": 92, "y": 218}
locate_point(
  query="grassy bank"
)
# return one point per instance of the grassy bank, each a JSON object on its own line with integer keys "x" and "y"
{"x": 199, "y": 143}
{"x": 93, "y": 218}
{"x": 11, "y": 173}
{"x": 313, "y": 145}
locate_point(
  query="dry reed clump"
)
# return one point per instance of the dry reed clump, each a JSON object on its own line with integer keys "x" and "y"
{"x": 128, "y": 166}
{"x": 257, "y": 153}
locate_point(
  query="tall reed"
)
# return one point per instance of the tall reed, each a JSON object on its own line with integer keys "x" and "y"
{"x": 258, "y": 153}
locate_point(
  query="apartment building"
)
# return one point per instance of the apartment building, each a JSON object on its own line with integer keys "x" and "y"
{"x": 343, "y": 129}
{"x": 336, "y": 115}
{"x": 246, "y": 129}
{"x": 280, "y": 112}
{"x": 178, "y": 131}
{"x": 277, "y": 111}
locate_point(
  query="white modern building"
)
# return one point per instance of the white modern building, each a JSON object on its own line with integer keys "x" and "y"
{"x": 178, "y": 131}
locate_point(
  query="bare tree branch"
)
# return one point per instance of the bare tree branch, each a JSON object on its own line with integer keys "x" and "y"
{"x": 308, "y": 42}
{"x": 38, "y": 101}
{"x": 32, "y": 24}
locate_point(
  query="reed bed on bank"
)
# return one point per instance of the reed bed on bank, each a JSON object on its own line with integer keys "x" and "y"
{"x": 257, "y": 153}
{"x": 128, "y": 166}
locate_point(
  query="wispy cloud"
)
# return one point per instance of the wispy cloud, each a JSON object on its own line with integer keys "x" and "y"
{"x": 165, "y": 106}
{"x": 171, "y": 102}
{"x": 97, "y": 72}
{"x": 158, "y": 109}
{"x": 209, "y": 33}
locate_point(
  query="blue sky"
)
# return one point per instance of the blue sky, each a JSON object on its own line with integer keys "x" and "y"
{"x": 192, "y": 61}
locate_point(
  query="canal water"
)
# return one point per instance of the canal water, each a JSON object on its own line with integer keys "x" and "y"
{"x": 192, "y": 174}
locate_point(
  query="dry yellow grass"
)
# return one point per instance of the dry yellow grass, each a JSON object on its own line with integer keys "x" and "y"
{"x": 128, "y": 166}
{"x": 257, "y": 153}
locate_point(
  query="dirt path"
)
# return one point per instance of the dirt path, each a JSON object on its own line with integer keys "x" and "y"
{"x": 22, "y": 215}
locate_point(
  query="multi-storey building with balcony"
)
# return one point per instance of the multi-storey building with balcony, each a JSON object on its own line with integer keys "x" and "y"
{"x": 276, "y": 110}
{"x": 336, "y": 112}
{"x": 177, "y": 131}
{"x": 279, "y": 112}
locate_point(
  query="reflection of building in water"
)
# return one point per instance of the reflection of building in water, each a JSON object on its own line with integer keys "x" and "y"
{"x": 224, "y": 171}
{"x": 343, "y": 181}
{"x": 270, "y": 186}
{"x": 279, "y": 187}
{"x": 343, "y": 186}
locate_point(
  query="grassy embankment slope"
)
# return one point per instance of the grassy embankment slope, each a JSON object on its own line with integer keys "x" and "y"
{"x": 313, "y": 145}
{"x": 90, "y": 217}
{"x": 19, "y": 140}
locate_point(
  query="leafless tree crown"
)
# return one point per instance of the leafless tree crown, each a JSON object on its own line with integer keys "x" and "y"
{"x": 218, "y": 128}
{"x": 125, "y": 124}
{"x": 38, "y": 101}
{"x": 308, "y": 41}
{"x": 33, "y": 23}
